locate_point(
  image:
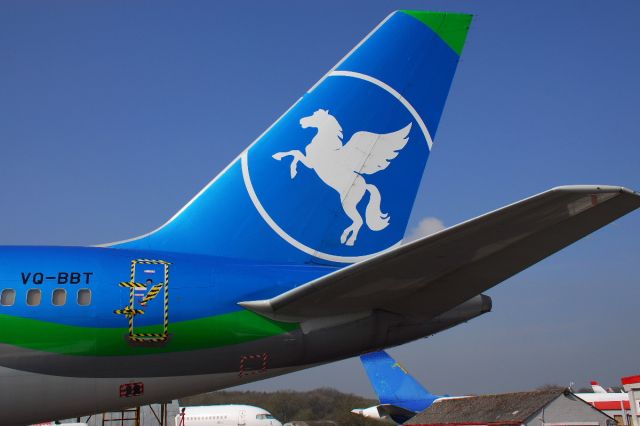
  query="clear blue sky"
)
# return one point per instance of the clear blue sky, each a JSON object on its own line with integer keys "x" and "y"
{"x": 114, "y": 114}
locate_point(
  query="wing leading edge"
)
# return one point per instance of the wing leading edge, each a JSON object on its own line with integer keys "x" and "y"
{"x": 437, "y": 273}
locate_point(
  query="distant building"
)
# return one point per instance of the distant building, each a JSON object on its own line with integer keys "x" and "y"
{"x": 537, "y": 408}
{"x": 613, "y": 404}
{"x": 631, "y": 385}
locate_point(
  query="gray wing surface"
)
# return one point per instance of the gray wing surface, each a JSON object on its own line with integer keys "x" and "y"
{"x": 436, "y": 273}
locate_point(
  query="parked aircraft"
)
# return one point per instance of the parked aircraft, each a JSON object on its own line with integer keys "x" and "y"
{"x": 615, "y": 404}
{"x": 227, "y": 415}
{"x": 296, "y": 244}
{"x": 401, "y": 396}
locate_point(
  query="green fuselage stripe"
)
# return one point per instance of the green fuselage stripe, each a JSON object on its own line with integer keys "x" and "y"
{"x": 203, "y": 333}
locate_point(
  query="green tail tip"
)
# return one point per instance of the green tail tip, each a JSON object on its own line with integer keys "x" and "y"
{"x": 451, "y": 27}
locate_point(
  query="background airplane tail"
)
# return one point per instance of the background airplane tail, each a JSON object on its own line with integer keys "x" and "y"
{"x": 299, "y": 192}
{"x": 393, "y": 384}
{"x": 597, "y": 388}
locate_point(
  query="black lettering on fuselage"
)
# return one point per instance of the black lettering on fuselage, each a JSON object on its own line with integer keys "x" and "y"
{"x": 61, "y": 278}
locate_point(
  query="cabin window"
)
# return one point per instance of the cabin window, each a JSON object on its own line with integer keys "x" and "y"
{"x": 59, "y": 297}
{"x": 264, "y": 416}
{"x": 84, "y": 297}
{"x": 34, "y": 297}
{"x": 8, "y": 297}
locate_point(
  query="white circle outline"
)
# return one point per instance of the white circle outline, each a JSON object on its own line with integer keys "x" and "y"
{"x": 281, "y": 232}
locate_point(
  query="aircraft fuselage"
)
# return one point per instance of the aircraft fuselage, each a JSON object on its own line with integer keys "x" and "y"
{"x": 88, "y": 321}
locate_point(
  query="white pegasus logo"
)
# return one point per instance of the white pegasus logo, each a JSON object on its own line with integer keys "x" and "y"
{"x": 342, "y": 166}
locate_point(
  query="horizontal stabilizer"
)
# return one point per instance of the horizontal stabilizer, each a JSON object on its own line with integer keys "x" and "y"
{"x": 394, "y": 412}
{"x": 385, "y": 412}
{"x": 436, "y": 273}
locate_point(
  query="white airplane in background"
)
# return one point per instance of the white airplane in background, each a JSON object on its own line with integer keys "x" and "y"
{"x": 65, "y": 424}
{"x": 228, "y": 415}
{"x": 614, "y": 404}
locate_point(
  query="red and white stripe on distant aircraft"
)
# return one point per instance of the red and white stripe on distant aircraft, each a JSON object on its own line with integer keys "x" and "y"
{"x": 606, "y": 401}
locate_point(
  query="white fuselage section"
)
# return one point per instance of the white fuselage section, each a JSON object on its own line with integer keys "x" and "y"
{"x": 228, "y": 415}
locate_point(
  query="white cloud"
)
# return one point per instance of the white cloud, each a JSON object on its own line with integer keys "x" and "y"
{"x": 426, "y": 226}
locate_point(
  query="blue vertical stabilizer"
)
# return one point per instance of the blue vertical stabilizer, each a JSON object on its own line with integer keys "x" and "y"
{"x": 334, "y": 179}
{"x": 393, "y": 384}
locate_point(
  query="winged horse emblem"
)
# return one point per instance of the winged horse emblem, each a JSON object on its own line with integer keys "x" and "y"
{"x": 343, "y": 167}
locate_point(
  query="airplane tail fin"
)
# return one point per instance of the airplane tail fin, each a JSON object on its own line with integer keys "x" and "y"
{"x": 597, "y": 388}
{"x": 300, "y": 192}
{"x": 393, "y": 384}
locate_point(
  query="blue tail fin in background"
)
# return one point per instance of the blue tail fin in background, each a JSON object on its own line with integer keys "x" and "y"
{"x": 332, "y": 181}
{"x": 393, "y": 384}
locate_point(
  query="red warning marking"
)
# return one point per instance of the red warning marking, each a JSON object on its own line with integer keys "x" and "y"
{"x": 594, "y": 200}
{"x": 128, "y": 390}
{"x": 253, "y": 364}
